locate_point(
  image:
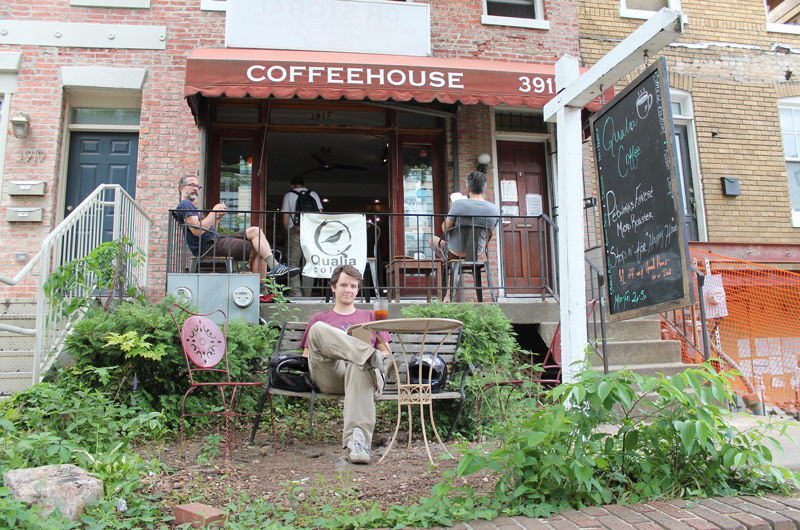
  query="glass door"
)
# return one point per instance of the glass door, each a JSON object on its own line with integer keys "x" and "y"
{"x": 418, "y": 203}
{"x": 233, "y": 177}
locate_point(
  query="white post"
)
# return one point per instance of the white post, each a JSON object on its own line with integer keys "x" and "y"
{"x": 574, "y": 91}
{"x": 570, "y": 226}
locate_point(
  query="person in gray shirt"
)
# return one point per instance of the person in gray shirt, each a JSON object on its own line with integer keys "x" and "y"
{"x": 475, "y": 213}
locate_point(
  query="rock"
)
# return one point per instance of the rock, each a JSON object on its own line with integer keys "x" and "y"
{"x": 66, "y": 487}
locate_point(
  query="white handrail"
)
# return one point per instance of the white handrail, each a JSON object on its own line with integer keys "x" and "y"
{"x": 74, "y": 238}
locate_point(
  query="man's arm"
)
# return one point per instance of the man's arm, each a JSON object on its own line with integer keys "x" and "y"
{"x": 285, "y": 221}
{"x": 208, "y": 222}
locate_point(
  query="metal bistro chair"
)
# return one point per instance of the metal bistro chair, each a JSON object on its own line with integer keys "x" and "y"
{"x": 205, "y": 347}
{"x": 466, "y": 239}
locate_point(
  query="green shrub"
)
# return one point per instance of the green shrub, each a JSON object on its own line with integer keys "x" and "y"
{"x": 672, "y": 441}
{"x": 489, "y": 344}
{"x": 159, "y": 381}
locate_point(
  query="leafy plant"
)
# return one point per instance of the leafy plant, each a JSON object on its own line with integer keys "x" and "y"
{"x": 672, "y": 441}
{"x": 109, "y": 339}
{"x": 210, "y": 450}
{"x": 75, "y": 285}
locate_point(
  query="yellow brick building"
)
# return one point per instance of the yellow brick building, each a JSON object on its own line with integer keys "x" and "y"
{"x": 735, "y": 92}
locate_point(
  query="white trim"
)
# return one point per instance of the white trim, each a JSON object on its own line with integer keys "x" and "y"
{"x": 789, "y": 103}
{"x": 100, "y": 127}
{"x": 82, "y": 35}
{"x": 687, "y": 119}
{"x": 103, "y": 77}
{"x": 792, "y": 29}
{"x": 491, "y": 20}
{"x": 5, "y": 103}
{"x": 213, "y": 5}
{"x": 644, "y": 14}
{"x": 10, "y": 61}
{"x": 130, "y": 4}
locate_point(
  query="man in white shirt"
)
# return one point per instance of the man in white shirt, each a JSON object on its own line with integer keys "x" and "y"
{"x": 292, "y": 225}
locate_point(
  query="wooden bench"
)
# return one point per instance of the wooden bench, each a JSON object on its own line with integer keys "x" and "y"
{"x": 410, "y": 343}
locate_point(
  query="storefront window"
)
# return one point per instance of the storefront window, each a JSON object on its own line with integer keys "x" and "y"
{"x": 236, "y": 183}
{"x": 418, "y": 200}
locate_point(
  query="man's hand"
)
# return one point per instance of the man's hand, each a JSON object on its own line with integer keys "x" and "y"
{"x": 220, "y": 209}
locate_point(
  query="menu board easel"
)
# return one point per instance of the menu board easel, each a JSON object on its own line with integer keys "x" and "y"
{"x": 645, "y": 256}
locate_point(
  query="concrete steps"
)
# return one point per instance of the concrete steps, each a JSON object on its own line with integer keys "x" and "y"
{"x": 635, "y": 345}
{"x": 16, "y": 351}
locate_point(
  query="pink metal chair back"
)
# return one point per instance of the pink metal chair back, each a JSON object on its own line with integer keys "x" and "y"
{"x": 204, "y": 343}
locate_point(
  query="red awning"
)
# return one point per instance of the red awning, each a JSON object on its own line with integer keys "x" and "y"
{"x": 238, "y": 73}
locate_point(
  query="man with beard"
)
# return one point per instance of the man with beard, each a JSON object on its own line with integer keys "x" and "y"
{"x": 203, "y": 239}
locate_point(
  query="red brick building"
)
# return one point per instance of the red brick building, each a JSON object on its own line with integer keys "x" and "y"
{"x": 140, "y": 92}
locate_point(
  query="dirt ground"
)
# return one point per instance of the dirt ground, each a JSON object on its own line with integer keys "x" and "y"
{"x": 315, "y": 466}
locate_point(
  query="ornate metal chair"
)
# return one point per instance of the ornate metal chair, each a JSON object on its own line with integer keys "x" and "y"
{"x": 205, "y": 347}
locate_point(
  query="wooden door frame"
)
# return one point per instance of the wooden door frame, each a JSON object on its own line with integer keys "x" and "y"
{"x": 547, "y": 140}
{"x": 214, "y": 161}
{"x": 396, "y": 179}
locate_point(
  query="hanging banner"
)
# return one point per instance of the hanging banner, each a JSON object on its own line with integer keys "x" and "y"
{"x": 332, "y": 240}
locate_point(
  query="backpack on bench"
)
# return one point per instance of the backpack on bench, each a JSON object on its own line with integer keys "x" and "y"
{"x": 290, "y": 372}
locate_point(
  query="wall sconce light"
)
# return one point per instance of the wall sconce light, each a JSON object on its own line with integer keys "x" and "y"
{"x": 19, "y": 124}
{"x": 483, "y": 162}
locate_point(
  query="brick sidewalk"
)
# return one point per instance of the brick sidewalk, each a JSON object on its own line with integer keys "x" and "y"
{"x": 725, "y": 513}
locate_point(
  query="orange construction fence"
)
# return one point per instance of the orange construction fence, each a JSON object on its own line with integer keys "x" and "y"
{"x": 752, "y": 314}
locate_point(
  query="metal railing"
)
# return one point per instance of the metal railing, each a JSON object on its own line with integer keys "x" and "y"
{"x": 596, "y": 325}
{"x": 521, "y": 253}
{"x": 107, "y": 210}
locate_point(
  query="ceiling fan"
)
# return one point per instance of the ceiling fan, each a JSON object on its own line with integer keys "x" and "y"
{"x": 324, "y": 165}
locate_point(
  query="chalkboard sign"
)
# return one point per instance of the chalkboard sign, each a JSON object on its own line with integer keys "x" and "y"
{"x": 636, "y": 173}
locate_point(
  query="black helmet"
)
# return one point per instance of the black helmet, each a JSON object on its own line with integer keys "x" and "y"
{"x": 434, "y": 371}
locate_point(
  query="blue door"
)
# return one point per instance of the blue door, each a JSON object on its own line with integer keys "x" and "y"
{"x": 100, "y": 158}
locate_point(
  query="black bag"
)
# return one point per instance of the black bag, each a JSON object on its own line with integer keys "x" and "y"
{"x": 305, "y": 203}
{"x": 290, "y": 372}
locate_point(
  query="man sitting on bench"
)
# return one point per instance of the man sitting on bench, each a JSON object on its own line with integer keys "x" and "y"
{"x": 202, "y": 234}
{"x": 341, "y": 364}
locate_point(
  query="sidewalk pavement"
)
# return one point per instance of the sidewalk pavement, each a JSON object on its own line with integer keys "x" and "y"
{"x": 719, "y": 513}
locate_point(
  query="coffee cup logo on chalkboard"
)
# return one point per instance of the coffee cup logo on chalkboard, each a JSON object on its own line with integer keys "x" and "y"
{"x": 643, "y": 103}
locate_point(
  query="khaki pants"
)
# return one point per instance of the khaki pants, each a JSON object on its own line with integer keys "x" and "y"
{"x": 295, "y": 259}
{"x": 339, "y": 364}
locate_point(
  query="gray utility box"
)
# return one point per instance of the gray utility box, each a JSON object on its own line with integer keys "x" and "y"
{"x": 236, "y": 294}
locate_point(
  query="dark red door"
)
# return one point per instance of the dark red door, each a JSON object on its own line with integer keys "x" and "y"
{"x": 523, "y": 191}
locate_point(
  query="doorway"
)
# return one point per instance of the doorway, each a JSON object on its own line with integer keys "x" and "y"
{"x": 521, "y": 167}
{"x": 100, "y": 158}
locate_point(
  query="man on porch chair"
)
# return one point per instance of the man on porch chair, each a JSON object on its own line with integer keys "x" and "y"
{"x": 202, "y": 234}
{"x": 341, "y": 364}
{"x": 474, "y": 211}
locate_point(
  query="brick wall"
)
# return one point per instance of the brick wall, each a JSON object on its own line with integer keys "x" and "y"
{"x": 724, "y": 60}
